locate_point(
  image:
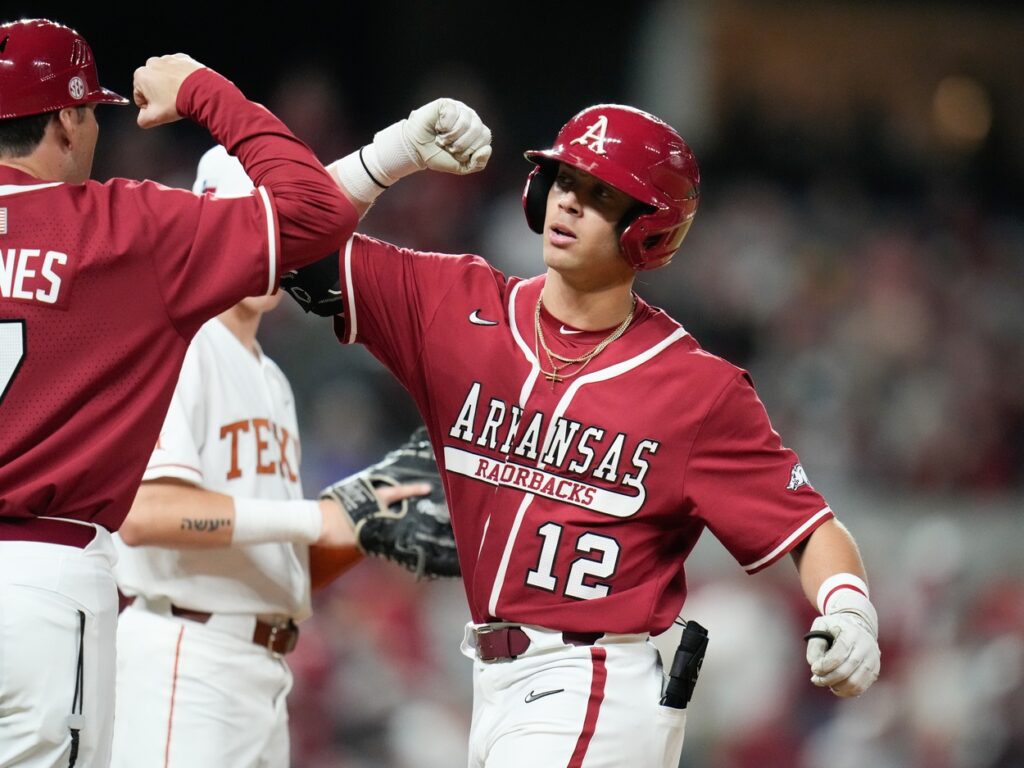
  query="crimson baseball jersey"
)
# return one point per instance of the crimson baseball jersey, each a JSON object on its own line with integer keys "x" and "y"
{"x": 103, "y": 285}
{"x": 574, "y": 503}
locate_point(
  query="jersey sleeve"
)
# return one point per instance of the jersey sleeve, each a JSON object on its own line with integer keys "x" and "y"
{"x": 391, "y": 296}
{"x": 748, "y": 488}
{"x": 207, "y": 253}
{"x": 177, "y": 452}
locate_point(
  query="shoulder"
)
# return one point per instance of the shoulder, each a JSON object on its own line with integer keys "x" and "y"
{"x": 468, "y": 263}
{"x": 687, "y": 353}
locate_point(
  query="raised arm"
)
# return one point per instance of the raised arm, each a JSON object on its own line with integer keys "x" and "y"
{"x": 313, "y": 217}
{"x": 444, "y": 135}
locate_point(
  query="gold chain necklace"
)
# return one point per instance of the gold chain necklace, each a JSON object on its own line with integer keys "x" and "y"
{"x": 555, "y": 374}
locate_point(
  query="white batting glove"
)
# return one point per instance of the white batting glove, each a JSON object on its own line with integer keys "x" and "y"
{"x": 851, "y": 662}
{"x": 448, "y": 136}
{"x": 444, "y": 135}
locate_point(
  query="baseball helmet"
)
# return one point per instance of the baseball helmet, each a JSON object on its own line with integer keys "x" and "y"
{"x": 45, "y": 67}
{"x": 636, "y": 153}
{"x": 221, "y": 173}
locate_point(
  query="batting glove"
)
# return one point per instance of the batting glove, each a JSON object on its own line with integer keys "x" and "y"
{"x": 850, "y": 663}
{"x": 444, "y": 135}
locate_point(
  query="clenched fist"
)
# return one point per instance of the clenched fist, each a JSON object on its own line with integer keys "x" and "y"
{"x": 155, "y": 87}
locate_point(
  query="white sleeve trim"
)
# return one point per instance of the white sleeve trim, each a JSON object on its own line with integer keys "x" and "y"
{"x": 271, "y": 241}
{"x": 789, "y": 540}
{"x": 350, "y": 294}
{"x": 165, "y": 470}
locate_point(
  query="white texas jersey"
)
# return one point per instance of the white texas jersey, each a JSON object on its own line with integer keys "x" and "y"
{"x": 231, "y": 427}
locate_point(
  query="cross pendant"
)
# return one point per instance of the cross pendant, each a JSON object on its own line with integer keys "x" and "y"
{"x": 553, "y": 376}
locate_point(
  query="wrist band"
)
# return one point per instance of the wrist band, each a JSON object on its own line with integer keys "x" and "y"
{"x": 260, "y": 521}
{"x": 366, "y": 168}
{"x": 837, "y": 582}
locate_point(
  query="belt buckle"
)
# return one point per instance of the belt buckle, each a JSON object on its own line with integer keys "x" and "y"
{"x": 486, "y": 629}
{"x": 291, "y": 639}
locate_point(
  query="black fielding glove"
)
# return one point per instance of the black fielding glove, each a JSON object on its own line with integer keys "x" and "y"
{"x": 415, "y": 533}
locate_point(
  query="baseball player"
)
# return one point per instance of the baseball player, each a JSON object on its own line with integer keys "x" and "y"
{"x": 585, "y": 441}
{"x": 102, "y": 286}
{"x": 214, "y": 552}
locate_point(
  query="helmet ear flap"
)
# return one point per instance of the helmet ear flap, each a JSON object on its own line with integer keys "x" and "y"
{"x": 535, "y": 195}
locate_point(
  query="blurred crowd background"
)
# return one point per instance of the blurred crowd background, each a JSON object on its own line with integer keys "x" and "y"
{"x": 859, "y": 249}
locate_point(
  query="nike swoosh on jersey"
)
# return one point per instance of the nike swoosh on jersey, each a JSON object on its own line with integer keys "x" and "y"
{"x": 567, "y": 331}
{"x": 475, "y": 319}
{"x": 531, "y": 696}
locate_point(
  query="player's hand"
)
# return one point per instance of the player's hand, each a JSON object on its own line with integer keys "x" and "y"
{"x": 853, "y": 661}
{"x": 337, "y": 528}
{"x": 155, "y": 88}
{"x": 448, "y": 136}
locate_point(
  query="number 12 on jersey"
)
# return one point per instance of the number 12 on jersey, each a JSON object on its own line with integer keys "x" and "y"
{"x": 12, "y": 352}
{"x": 542, "y": 576}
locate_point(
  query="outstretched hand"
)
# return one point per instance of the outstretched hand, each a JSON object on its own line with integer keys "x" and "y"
{"x": 155, "y": 87}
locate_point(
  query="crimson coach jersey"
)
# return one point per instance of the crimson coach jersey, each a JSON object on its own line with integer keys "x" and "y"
{"x": 576, "y": 503}
{"x": 103, "y": 285}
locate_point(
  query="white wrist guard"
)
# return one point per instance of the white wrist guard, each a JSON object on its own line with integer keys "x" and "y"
{"x": 373, "y": 168}
{"x": 259, "y": 521}
{"x": 847, "y": 593}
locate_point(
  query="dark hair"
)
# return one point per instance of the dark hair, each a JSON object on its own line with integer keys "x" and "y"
{"x": 19, "y": 136}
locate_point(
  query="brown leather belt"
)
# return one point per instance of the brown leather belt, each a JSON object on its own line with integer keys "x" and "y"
{"x": 507, "y": 643}
{"x": 279, "y": 639}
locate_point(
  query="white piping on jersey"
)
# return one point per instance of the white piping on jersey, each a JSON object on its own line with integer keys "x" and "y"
{"x": 608, "y": 373}
{"x": 499, "y": 578}
{"x": 6, "y": 190}
{"x": 789, "y": 540}
{"x": 350, "y": 307}
{"x": 271, "y": 241}
{"x": 524, "y": 393}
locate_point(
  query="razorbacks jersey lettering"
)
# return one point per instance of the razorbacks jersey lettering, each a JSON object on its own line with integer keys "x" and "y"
{"x": 574, "y": 503}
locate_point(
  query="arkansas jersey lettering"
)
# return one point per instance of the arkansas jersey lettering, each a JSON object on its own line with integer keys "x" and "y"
{"x": 266, "y": 448}
{"x": 32, "y": 274}
{"x": 559, "y": 459}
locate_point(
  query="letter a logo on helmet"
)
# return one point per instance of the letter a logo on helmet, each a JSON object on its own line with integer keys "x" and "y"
{"x": 636, "y": 153}
{"x": 597, "y": 132}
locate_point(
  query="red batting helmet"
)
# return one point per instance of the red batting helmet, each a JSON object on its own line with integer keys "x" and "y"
{"x": 636, "y": 153}
{"x": 44, "y": 67}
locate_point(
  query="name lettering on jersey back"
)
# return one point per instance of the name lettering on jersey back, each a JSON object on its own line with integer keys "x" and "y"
{"x": 261, "y": 445}
{"x": 32, "y": 274}
{"x": 557, "y": 459}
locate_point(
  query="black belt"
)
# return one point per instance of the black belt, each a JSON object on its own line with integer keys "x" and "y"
{"x": 279, "y": 638}
{"x": 506, "y": 643}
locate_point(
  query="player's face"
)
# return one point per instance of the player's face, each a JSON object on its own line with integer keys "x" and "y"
{"x": 581, "y": 239}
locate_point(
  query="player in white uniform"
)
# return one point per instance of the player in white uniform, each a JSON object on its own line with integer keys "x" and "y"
{"x": 215, "y": 553}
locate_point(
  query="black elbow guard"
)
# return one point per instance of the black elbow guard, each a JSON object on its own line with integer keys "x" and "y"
{"x": 316, "y": 287}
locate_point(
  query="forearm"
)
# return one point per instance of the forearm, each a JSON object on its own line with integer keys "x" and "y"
{"x": 313, "y": 217}
{"x": 174, "y": 514}
{"x": 829, "y": 550}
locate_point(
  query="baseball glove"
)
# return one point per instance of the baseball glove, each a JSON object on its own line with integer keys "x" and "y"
{"x": 416, "y": 532}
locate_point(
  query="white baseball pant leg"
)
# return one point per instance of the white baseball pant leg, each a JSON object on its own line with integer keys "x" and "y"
{"x": 567, "y": 706}
{"x": 58, "y": 618}
{"x": 192, "y": 695}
